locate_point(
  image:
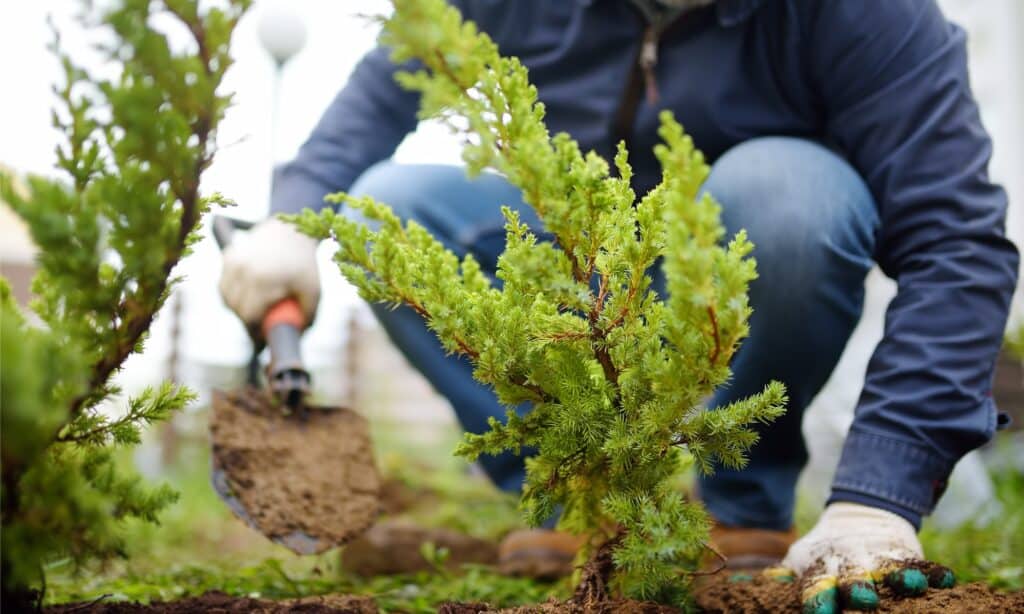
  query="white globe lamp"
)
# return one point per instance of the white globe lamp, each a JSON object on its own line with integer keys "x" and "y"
{"x": 282, "y": 33}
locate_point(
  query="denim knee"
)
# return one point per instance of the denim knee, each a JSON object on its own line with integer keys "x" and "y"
{"x": 403, "y": 187}
{"x": 803, "y": 206}
{"x": 463, "y": 213}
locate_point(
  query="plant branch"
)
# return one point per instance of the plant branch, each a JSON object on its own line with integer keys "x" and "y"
{"x": 134, "y": 322}
{"x": 714, "y": 330}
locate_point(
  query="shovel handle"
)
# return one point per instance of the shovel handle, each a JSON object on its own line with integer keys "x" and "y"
{"x": 287, "y": 311}
{"x": 224, "y": 228}
{"x": 282, "y": 328}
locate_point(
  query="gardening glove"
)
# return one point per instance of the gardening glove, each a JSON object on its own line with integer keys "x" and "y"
{"x": 850, "y": 549}
{"x": 271, "y": 262}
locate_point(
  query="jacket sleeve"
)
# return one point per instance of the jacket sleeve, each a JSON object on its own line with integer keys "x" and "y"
{"x": 894, "y": 92}
{"x": 362, "y": 126}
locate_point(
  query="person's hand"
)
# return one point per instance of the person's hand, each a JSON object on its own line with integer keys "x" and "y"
{"x": 271, "y": 262}
{"x": 853, "y": 547}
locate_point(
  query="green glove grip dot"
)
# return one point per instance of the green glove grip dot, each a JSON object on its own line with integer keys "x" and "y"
{"x": 907, "y": 582}
{"x": 823, "y": 602}
{"x": 940, "y": 577}
{"x": 860, "y": 595}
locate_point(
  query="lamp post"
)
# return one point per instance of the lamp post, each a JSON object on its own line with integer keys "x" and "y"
{"x": 282, "y": 34}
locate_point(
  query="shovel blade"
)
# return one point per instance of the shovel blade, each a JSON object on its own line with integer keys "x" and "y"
{"x": 307, "y": 481}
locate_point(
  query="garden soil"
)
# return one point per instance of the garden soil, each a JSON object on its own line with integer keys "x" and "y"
{"x": 760, "y": 596}
{"x": 224, "y": 604}
{"x": 764, "y": 595}
{"x": 296, "y": 476}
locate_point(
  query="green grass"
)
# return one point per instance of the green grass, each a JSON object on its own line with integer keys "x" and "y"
{"x": 201, "y": 547}
{"x": 991, "y": 553}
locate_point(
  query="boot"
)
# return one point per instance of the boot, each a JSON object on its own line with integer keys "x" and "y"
{"x": 542, "y": 554}
{"x": 745, "y": 548}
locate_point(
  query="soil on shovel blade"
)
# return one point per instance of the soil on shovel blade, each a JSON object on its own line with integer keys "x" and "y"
{"x": 310, "y": 475}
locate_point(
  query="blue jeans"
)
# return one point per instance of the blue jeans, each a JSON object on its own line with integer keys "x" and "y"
{"x": 812, "y": 221}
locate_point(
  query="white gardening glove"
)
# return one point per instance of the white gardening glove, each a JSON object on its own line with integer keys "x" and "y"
{"x": 850, "y": 549}
{"x": 271, "y": 262}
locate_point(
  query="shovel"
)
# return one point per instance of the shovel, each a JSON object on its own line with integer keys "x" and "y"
{"x": 303, "y": 475}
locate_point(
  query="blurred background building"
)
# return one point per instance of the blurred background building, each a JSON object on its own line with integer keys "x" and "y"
{"x": 199, "y": 342}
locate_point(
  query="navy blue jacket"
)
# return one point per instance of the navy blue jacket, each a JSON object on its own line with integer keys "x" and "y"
{"x": 884, "y": 83}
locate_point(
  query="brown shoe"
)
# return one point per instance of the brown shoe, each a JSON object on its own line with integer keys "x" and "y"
{"x": 538, "y": 553}
{"x": 745, "y": 548}
{"x": 395, "y": 547}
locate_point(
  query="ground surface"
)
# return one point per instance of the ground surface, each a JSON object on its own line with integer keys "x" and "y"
{"x": 202, "y": 548}
{"x": 764, "y": 596}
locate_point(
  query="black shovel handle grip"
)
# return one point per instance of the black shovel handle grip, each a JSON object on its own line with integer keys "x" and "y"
{"x": 224, "y": 228}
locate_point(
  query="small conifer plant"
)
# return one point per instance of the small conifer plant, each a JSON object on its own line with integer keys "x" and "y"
{"x": 109, "y": 235}
{"x": 616, "y": 375}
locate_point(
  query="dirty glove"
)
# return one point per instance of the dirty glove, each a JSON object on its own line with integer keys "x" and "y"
{"x": 850, "y": 549}
{"x": 270, "y": 262}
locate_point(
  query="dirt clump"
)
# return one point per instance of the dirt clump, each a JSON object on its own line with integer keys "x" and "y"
{"x": 611, "y": 606}
{"x": 394, "y": 547}
{"x": 225, "y": 604}
{"x": 762, "y": 595}
{"x": 307, "y": 481}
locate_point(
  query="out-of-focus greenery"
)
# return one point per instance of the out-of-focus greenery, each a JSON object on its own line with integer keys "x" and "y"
{"x": 1014, "y": 341}
{"x": 201, "y": 547}
{"x": 992, "y": 552}
{"x": 109, "y": 231}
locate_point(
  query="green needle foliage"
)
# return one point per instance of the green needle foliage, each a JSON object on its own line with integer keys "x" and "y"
{"x": 615, "y": 374}
{"x": 109, "y": 236}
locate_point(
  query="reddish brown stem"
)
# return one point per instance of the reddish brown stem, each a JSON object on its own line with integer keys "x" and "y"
{"x": 714, "y": 331}
{"x": 710, "y": 572}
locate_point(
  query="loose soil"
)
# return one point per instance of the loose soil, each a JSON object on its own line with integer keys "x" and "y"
{"x": 613, "y": 606}
{"x": 759, "y": 596}
{"x": 224, "y": 604}
{"x": 307, "y": 481}
{"x": 764, "y": 595}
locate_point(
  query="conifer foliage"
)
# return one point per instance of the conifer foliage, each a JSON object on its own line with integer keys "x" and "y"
{"x": 109, "y": 235}
{"x": 615, "y": 374}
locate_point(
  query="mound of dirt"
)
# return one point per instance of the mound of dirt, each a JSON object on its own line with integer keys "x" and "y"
{"x": 224, "y": 604}
{"x": 766, "y": 596}
{"x": 307, "y": 481}
{"x": 612, "y": 606}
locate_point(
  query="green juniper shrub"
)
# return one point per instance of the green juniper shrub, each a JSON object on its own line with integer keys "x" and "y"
{"x": 616, "y": 375}
{"x": 109, "y": 234}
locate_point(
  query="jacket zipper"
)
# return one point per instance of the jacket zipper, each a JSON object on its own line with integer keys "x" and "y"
{"x": 647, "y": 61}
{"x": 642, "y": 80}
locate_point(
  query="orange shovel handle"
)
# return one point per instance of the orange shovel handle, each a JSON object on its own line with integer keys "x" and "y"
{"x": 287, "y": 311}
